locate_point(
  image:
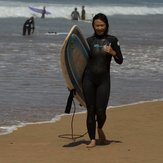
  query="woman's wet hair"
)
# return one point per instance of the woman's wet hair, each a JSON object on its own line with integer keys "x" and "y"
{"x": 103, "y": 18}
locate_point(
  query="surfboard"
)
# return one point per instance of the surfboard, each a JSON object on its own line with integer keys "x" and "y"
{"x": 38, "y": 10}
{"x": 73, "y": 59}
{"x": 56, "y": 33}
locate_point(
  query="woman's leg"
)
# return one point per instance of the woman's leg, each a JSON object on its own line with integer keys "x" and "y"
{"x": 102, "y": 98}
{"x": 89, "y": 94}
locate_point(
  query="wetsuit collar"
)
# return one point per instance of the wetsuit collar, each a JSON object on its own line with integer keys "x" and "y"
{"x": 100, "y": 36}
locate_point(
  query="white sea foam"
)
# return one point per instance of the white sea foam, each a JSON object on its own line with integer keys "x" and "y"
{"x": 4, "y": 130}
{"x": 58, "y": 10}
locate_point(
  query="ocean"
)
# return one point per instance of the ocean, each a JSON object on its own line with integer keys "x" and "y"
{"x": 32, "y": 88}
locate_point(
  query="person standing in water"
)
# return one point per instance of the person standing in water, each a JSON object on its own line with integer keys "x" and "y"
{"x": 75, "y": 15}
{"x": 96, "y": 77}
{"x": 83, "y": 13}
{"x": 29, "y": 26}
{"x": 43, "y": 12}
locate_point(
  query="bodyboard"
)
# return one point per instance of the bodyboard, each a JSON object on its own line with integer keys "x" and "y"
{"x": 74, "y": 58}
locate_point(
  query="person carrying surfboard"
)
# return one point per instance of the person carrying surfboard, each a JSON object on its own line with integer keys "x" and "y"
{"x": 29, "y": 26}
{"x": 96, "y": 77}
{"x": 43, "y": 12}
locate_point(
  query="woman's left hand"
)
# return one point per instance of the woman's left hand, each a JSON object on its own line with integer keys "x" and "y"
{"x": 109, "y": 50}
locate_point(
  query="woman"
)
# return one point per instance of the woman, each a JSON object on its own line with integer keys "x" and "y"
{"x": 96, "y": 78}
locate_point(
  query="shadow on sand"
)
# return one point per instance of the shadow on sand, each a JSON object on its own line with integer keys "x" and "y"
{"x": 98, "y": 143}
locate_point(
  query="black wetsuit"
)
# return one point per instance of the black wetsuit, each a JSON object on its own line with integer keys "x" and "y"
{"x": 28, "y": 26}
{"x": 96, "y": 80}
{"x": 43, "y": 13}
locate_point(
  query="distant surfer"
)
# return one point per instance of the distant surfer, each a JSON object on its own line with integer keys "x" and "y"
{"x": 75, "y": 15}
{"x": 96, "y": 78}
{"x": 43, "y": 12}
{"x": 29, "y": 26}
{"x": 83, "y": 13}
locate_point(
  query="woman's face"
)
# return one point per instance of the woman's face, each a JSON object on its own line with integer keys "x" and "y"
{"x": 99, "y": 27}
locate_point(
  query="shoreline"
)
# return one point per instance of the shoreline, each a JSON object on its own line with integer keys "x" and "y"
{"x": 13, "y": 128}
{"x": 134, "y": 134}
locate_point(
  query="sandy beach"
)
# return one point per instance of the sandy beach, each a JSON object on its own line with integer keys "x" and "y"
{"x": 134, "y": 135}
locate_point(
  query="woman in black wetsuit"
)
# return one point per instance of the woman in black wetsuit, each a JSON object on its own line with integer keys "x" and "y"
{"x": 96, "y": 78}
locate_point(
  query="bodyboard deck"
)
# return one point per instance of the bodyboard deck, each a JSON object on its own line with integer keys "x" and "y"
{"x": 74, "y": 58}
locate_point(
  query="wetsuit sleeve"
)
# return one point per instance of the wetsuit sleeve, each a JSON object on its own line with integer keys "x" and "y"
{"x": 116, "y": 47}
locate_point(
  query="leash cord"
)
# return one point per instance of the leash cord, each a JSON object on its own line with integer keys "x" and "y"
{"x": 72, "y": 135}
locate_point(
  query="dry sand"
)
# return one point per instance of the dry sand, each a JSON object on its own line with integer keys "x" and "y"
{"x": 134, "y": 135}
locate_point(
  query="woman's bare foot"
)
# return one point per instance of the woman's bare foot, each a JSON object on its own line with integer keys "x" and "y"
{"x": 92, "y": 144}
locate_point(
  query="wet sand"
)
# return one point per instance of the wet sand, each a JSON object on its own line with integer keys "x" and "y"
{"x": 134, "y": 135}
